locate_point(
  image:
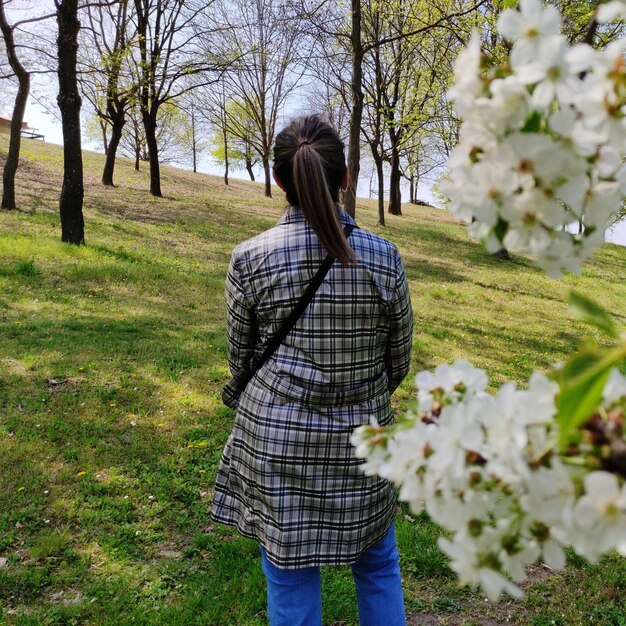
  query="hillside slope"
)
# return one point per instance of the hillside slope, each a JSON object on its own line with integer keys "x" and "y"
{"x": 111, "y": 427}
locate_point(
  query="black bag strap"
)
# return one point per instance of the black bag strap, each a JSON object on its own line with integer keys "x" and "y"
{"x": 298, "y": 310}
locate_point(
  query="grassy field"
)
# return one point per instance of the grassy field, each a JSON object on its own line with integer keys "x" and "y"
{"x": 111, "y": 427}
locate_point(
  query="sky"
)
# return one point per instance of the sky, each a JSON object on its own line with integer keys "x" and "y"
{"x": 36, "y": 117}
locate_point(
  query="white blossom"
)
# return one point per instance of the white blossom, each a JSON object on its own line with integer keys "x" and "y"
{"x": 555, "y": 74}
{"x": 467, "y": 81}
{"x": 483, "y": 466}
{"x": 451, "y": 381}
{"x": 406, "y": 453}
{"x": 454, "y": 437}
{"x": 529, "y": 28}
{"x": 538, "y": 143}
{"x": 609, "y": 11}
{"x": 600, "y": 515}
{"x": 553, "y": 554}
{"x": 464, "y": 560}
{"x": 549, "y": 492}
{"x": 601, "y": 99}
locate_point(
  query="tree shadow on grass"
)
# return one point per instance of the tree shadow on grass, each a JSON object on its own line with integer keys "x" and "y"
{"x": 517, "y": 291}
{"x": 435, "y": 242}
{"x": 84, "y": 427}
{"x": 420, "y": 269}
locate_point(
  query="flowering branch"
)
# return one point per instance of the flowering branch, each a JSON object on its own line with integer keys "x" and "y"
{"x": 520, "y": 475}
{"x": 491, "y": 471}
{"x": 542, "y": 143}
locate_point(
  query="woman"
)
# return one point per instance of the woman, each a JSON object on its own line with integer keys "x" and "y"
{"x": 288, "y": 477}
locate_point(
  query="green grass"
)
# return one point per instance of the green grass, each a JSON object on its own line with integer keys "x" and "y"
{"x": 111, "y": 427}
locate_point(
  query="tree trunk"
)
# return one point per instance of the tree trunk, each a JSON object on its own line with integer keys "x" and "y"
{"x": 380, "y": 179}
{"x": 136, "y": 142}
{"x": 395, "y": 195}
{"x": 71, "y": 201}
{"x": 13, "y": 155}
{"x": 503, "y": 255}
{"x": 380, "y": 173}
{"x": 268, "y": 176}
{"x": 150, "y": 124}
{"x": 412, "y": 189}
{"x": 109, "y": 164}
{"x": 356, "y": 114}
{"x": 225, "y": 137}
{"x": 105, "y": 139}
{"x": 194, "y": 142}
{"x": 250, "y": 170}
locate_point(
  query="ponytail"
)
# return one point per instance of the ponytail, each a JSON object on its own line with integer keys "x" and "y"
{"x": 309, "y": 161}
{"x": 317, "y": 204}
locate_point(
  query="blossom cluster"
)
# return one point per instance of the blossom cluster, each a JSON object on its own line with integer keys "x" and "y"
{"x": 539, "y": 164}
{"x": 616, "y": 9}
{"x": 488, "y": 469}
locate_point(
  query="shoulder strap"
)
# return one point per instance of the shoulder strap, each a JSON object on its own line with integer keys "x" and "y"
{"x": 299, "y": 309}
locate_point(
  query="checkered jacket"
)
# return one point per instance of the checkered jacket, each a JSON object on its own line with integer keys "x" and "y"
{"x": 288, "y": 476}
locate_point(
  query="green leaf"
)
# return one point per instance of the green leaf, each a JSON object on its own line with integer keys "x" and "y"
{"x": 577, "y": 403}
{"x": 533, "y": 123}
{"x": 500, "y": 229}
{"x": 589, "y": 311}
{"x": 581, "y": 380}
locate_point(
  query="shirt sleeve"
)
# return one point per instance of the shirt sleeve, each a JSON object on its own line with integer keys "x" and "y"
{"x": 241, "y": 323}
{"x": 400, "y": 338}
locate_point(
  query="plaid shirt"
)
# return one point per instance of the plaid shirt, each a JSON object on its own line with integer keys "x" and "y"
{"x": 288, "y": 476}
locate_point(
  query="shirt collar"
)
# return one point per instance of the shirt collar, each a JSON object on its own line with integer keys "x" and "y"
{"x": 294, "y": 215}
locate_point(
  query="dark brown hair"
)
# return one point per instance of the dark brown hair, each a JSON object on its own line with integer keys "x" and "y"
{"x": 309, "y": 162}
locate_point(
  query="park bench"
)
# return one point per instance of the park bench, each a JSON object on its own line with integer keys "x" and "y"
{"x": 32, "y": 133}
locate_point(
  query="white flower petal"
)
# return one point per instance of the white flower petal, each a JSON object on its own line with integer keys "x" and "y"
{"x": 553, "y": 555}
{"x": 601, "y": 484}
{"x": 510, "y": 24}
{"x": 611, "y": 10}
{"x": 580, "y": 57}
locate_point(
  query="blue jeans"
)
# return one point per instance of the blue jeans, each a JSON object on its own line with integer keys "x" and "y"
{"x": 294, "y": 596}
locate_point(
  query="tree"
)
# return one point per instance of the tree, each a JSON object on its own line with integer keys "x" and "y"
{"x": 217, "y": 114}
{"x": 233, "y": 151}
{"x": 69, "y": 101}
{"x": 167, "y": 32}
{"x": 189, "y": 130}
{"x": 263, "y": 37}
{"x": 173, "y": 136}
{"x": 374, "y": 82}
{"x": 21, "y": 98}
{"x": 358, "y": 46}
{"x": 402, "y": 54}
{"x": 328, "y": 96}
{"x": 104, "y": 82}
{"x": 133, "y": 142}
{"x": 234, "y": 132}
{"x": 421, "y": 118}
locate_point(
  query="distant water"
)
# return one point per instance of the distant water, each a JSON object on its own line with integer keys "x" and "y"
{"x": 617, "y": 234}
